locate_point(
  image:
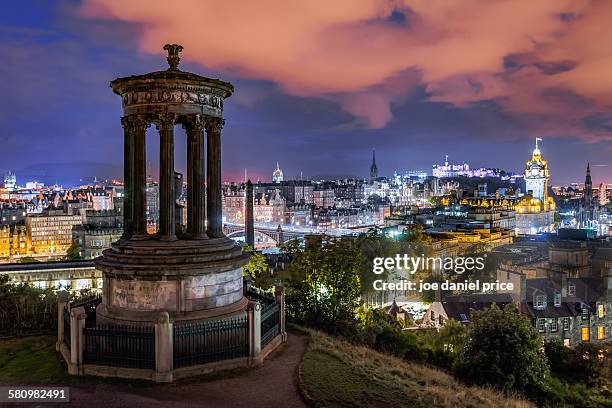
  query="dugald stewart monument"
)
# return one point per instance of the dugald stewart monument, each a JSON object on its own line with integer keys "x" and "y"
{"x": 179, "y": 292}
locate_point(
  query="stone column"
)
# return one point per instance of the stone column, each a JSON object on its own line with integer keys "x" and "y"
{"x": 213, "y": 197}
{"x": 281, "y": 237}
{"x": 77, "y": 341}
{"x": 254, "y": 317}
{"x": 164, "y": 351}
{"x": 190, "y": 144}
{"x": 279, "y": 294}
{"x": 62, "y": 303}
{"x": 128, "y": 175}
{"x": 167, "y": 196}
{"x": 178, "y": 209}
{"x": 249, "y": 224}
{"x": 139, "y": 186}
{"x": 195, "y": 173}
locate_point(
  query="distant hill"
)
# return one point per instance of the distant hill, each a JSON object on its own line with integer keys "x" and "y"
{"x": 68, "y": 173}
{"x": 332, "y": 177}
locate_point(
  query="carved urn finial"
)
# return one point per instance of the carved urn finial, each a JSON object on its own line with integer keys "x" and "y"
{"x": 173, "y": 55}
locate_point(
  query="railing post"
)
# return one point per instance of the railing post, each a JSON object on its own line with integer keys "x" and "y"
{"x": 62, "y": 303}
{"x": 164, "y": 350}
{"x": 254, "y": 315}
{"x": 279, "y": 294}
{"x": 77, "y": 343}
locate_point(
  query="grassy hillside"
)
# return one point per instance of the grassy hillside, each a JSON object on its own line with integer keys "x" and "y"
{"x": 335, "y": 373}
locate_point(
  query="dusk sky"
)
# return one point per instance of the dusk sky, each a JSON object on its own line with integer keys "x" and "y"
{"x": 319, "y": 84}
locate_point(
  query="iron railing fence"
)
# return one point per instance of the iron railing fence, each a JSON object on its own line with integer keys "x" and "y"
{"x": 120, "y": 346}
{"x": 89, "y": 304}
{"x": 66, "y": 317}
{"x": 270, "y": 322}
{"x": 202, "y": 343}
{"x": 256, "y": 294}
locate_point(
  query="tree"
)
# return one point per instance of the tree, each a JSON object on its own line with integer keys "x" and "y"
{"x": 322, "y": 284}
{"x": 446, "y": 346}
{"x": 504, "y": 351}
{"x": 258, "y": 269}
{"x": 73, "y": 254}
{"x": 25, "y": 309}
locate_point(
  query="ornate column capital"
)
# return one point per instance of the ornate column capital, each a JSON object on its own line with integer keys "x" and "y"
{"x": 164, "y": 120}
{"x": 194, "y": 123}
{"x": 214, "y": 125}
{"x": 135, "y": 122}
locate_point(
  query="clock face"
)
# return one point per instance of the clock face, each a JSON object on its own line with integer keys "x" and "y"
{"x": 534, "y": 172}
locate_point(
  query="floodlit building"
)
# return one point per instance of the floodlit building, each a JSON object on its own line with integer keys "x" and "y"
{"x": 535, "y": 212}
{"x": 51, "y": 231}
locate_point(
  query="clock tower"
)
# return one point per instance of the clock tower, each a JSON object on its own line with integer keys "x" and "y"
{"x": 536, "y": 174}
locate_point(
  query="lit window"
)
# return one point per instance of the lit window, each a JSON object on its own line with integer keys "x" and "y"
{"x": 601, "y": 332}
{"x": 601, "y": 310}
{"x": 567, "y": 343}
{"x": 585, "y": 335}
{"x": 541, "y": 325}
{"x": 554, "y": 326}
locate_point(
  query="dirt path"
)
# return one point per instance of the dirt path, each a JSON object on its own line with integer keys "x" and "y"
{"x": 271, "y": 385}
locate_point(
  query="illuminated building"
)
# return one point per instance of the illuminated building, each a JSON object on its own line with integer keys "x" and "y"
{"x": 277, "y": 174}
{"x": 5, "y": 241}
{"x": 66, "y": 275}
{"x": 270, "y": 209}
{"x": 447, "y": 170}
{"x": 91, "y": 240}
{"x": 267, "y": 207}
{"x": 51, "y": 232}
{"x": 535, "y": 211}
{"x": 602, "y": 196}
{"x": 10, "y": 182}
{"x": 536, "y": 174}
{"x": 152, "y": 211}
{"x": 98, "y": 232}
{"x": 417, "y": 175}
{"x": 34, "y": 185}
{"x": 13, "y": 242}
{"x": 324, "y": 198}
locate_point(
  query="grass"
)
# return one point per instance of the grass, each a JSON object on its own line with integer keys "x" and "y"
{"x": 335, "y": 373}
{"x": 31, "y": 360}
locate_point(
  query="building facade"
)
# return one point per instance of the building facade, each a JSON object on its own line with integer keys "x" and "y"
{"x": 51, "y": 232}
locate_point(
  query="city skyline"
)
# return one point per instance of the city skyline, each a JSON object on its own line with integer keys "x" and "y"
{"x": 59, "y": 110}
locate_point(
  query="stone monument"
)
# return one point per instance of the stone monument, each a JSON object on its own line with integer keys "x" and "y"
{"x": 194, "y": 273}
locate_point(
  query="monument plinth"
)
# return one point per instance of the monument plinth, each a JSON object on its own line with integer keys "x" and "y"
{"x": 192, "y": 273}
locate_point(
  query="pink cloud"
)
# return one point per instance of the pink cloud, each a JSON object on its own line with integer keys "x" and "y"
{"x": 347, "y": 51}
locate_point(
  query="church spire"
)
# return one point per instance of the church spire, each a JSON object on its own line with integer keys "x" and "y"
{"x": 373, "y": 167}
{"x": 588, "y": 175}
{"x": 277, "y": 174}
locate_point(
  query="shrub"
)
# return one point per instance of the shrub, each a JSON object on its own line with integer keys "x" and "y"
{"x": 504, "y": 351}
